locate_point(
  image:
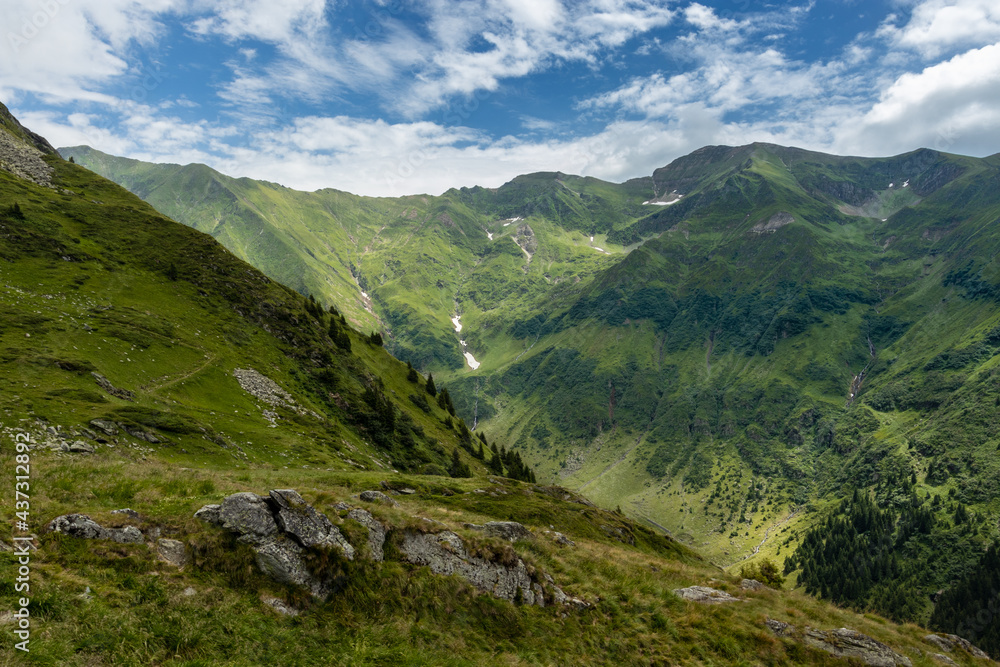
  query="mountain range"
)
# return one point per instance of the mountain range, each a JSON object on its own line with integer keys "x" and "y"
{"x": 759, "y": 351}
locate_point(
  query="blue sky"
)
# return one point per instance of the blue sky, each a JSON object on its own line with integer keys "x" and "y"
{"x": 407, "y": 96}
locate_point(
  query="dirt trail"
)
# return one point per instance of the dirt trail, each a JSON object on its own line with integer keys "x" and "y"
{"x": 767, "y": 533}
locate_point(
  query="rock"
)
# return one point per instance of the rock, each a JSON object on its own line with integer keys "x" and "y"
{"x": 376, "y": 532}
{"x": 444, "y": 553}
{"x": 129, "y": 512}
{"x": 108, "y": 427}
{"x": 83, "y": 527}
{"x": 106, "y": 385}
{"x": 559, "y": 538}
{"x": 780, "y": 628}
{"x": 949, "y": 643}
{"x": 704, "y": 594}
{"x": 80, "y": 447}
{"x": 507, "y": 530}
{"x": 309, "y": 527}
{"x": 279, "y": 606}
{"x": 210, "y": 514}
{"x": 943, "y": 659}
{"x": 377, "y": 497}
{"x": 249, "y": 515}
{"x": 173, "y": 552}
{"x": 407, "y": 491}
{"x": 280, "y": 527}
{"x": 751, "y": 585}
{"x": 847, "y": 643}
{"x": 189, "y": 591}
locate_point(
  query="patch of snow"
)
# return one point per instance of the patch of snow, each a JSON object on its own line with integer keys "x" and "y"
{"x": 907, "y": 183}
{"x": 591, "y": 239}
{"x": 471, "y": 360}
{"x": 462, "y": 342}
{"x": 599, "y": 249}
{"x": 884, "y": 219}
{"x": 364, "y": 294}
{"x": 457, "y": 323}
{"x": 890, "y": 185}
{"x": 490, "y": 235}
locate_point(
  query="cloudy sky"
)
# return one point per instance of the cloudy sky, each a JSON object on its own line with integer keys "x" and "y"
{"x": 391, "y": 97}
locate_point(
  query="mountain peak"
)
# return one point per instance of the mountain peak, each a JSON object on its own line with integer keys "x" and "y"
{"x": 22, "y": 151}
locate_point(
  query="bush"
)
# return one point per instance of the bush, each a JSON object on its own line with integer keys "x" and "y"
{"x": 766, "y": 572}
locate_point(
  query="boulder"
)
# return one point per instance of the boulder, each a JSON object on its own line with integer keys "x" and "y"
{"x": 949, "y": 643}
{"x": 80, "y": 447}
{"x": 751, "y": 585}
{"x": 279, "y": 527}
{"x": 83, "y": 527}
{"x": 173, "y": 552}
{"x": 376, "y": 532}
{"x": 279, "y": 606}
{"x": 507, "y": 530}
{"x": 307, "y": 526}
{"x": 108, "y": 427}
{"x": 445, "y": 553}
{"x": 704, "y": 594}
{"x": 848, "y": 643}
{"x": 377, "y": 497}
{"x": 128, "y": 511}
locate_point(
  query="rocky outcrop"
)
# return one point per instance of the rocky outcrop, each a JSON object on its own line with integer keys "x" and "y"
{"x": 774, "y": 223}
{"x": 377, "y": 497}
{"x": 704, "y": 594}
{"x": 843, "y": 643}
{"x": 751, "y": 585}
{"x": 949, "y": 643}
{"x": 83, "y": 527}
{"x": 376, "y": 532}
{"x": 445, "y": 553}
{"x": 511, "y": 531}
{"x": 106, "y": 385}
{"x": 23, "y": 160}
{"x": 264, "y": 388}
{"x": 280, "y": 527}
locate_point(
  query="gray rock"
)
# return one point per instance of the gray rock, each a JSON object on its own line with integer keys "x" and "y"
{"x": 128, "y": 511}
{"x": 704, "y": 594}
{"x": 108, "y": 427}
{"x": 80, "y": 447}
{"x": 559, "y": 538}
{"x": 377, "y": 497}
{"x": 83, "y": 527}
{"x": 445, "y": 553}
{"x": 847, "y": 643}
{"x": 376, "y": 532}
{"x": 249, "y": 515}
{"x": 280, "y": 527}
{"x": 751, "y": 585}
{"x": 189, "y": 591}
{"x": 307, "y": 526}
{"x": 507, "y": 530}
{"x": 943, "y": 659}
{"x": 106, "y": 385}
{"x": 279, "y": 606}
{"x": 949, "y": 643}
{"x": 210, "y": 514}
{"x": 173, "y": 552}
{"x": 780, "y": 628}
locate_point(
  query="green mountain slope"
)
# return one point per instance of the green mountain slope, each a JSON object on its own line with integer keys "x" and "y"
{"x": 728, "y": 348}
{"x": 127, "y": 342}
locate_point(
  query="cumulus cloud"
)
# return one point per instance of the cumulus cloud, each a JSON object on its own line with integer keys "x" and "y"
{"x": 937, "y": 26}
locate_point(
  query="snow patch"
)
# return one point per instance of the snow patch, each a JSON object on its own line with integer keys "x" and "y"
{"x": 510, "y": 221}
{"x": 457, "y": 323}
{"x": 591, "y": 239}
{"x": 891, "y": 184}
{"x": 907, "y": 183}
{"x": 365, "y": 294}
{"x": 490, "y": 235}
{"x": 471, "y": 360}
{"x": 653, "y": 202}
{"x": 599, "y": 249}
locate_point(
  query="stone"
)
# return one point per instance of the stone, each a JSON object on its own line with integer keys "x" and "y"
{"x": 507, "y": 530}
{"x": 128, "y": 511}
{"x": 106, "y": 385}
{"x": 83, "y": 527}
{"x": 80, "y": 447}
{"x": 189, "y": 591}
{"x": 780, "y": 628}
{"x": 249, "y": 515}
{"x": 559, "y": 538}
{"x": 376, "y": 532}
{"x": 281, "y": 559}
{"x": 704, "y": 594}
{"x": 108, "y": 427}
{"x": 943, "y": 659}
{"x": 210, "y": 514}
{"x": 445, "y": 553}
{"x": 751, "y": 585}
{"x": 307, "y": 526}
{"x": 848, "y": 643}
{"x": 949, "y": 643}
{"x": 377, "y": 497}
{"x": 173, "y": 552}
{"x": 279, "y": 606}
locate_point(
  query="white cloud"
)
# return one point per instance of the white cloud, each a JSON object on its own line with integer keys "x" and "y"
{"x": 935, "y": 26}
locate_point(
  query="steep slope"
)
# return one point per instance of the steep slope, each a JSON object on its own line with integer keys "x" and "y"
{"x": 730, "y": 347}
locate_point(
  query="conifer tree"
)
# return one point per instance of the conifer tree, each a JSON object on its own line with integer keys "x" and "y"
{"x": 411, "y": 373}
{"x": 431, "y": 389}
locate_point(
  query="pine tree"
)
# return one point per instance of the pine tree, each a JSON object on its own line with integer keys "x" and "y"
{"x": 431, "y": 389}
{"x": 411, "y": 373}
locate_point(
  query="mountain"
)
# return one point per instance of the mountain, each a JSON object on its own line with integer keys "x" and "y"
{"x": 166, "y": 406}
{"x": 728, "y": 349}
